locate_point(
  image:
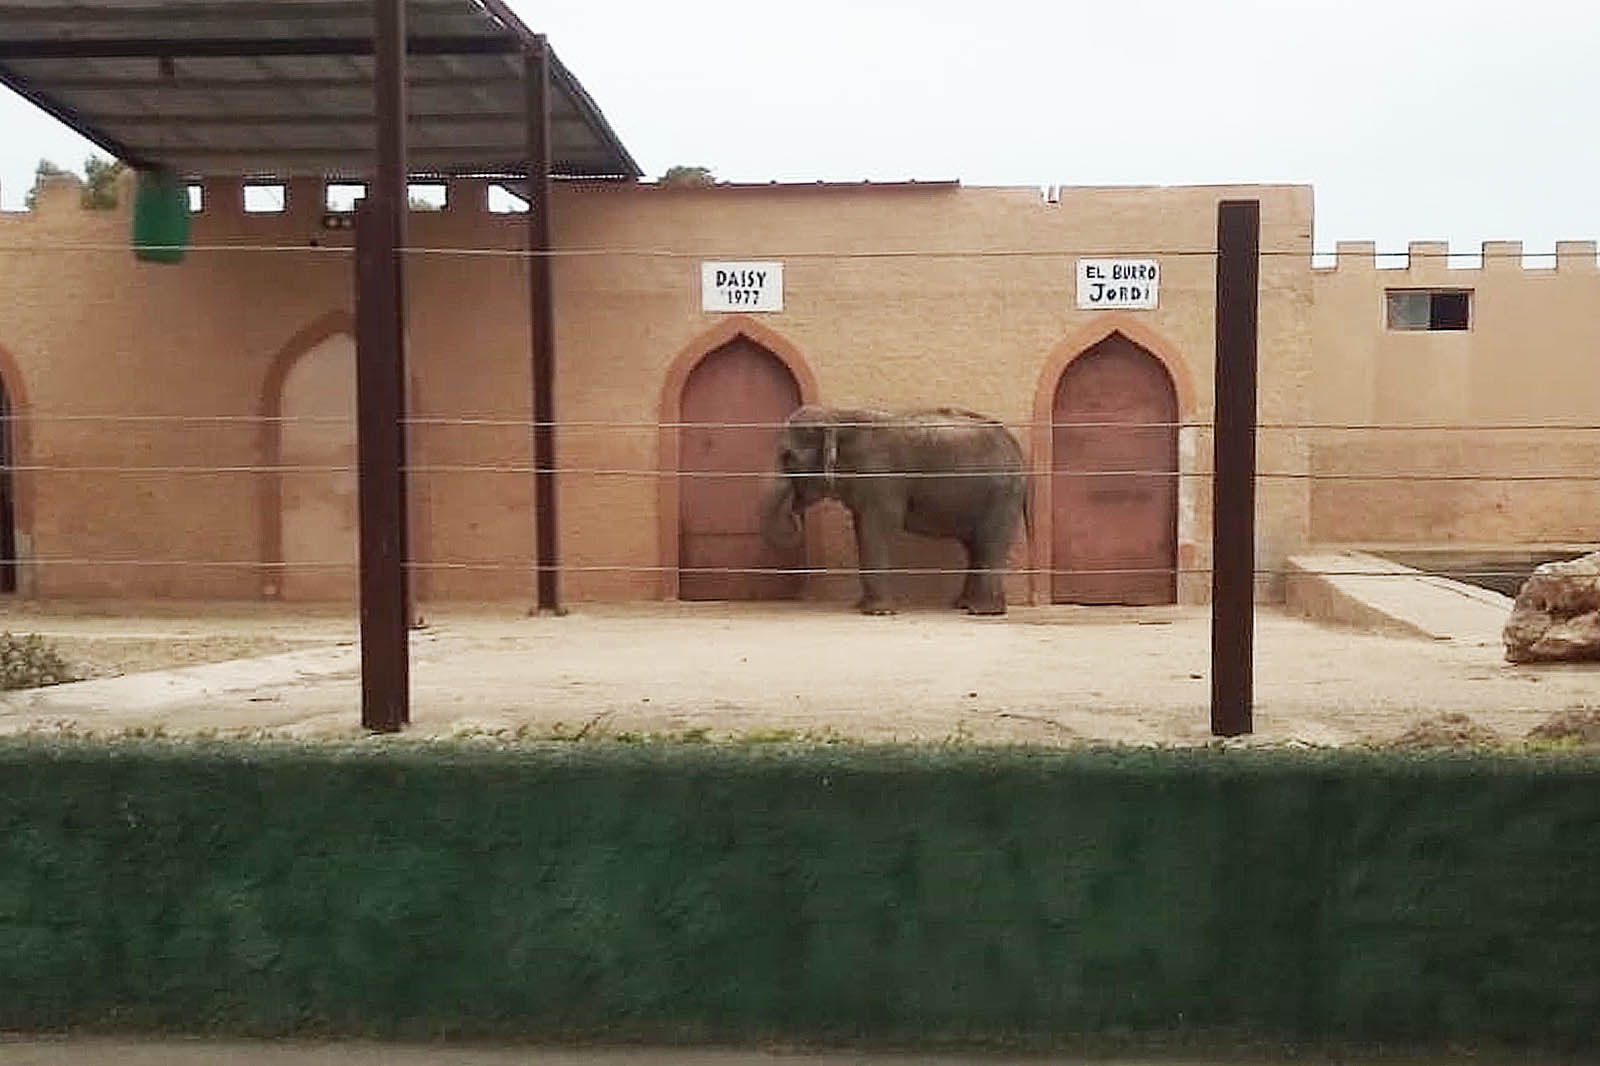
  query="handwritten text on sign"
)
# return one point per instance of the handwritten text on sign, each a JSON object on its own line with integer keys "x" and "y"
{"x": 741, "y": 286}
{"x": 1125, "y": 283}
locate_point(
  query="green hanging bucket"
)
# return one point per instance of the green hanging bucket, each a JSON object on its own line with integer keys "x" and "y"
{"x": 160, "y": 217}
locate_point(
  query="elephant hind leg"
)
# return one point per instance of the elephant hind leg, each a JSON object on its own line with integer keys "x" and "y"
{"x": 988, "y": 602}
{"x": 985, "y": 589}
{"x": 969, "y": 586}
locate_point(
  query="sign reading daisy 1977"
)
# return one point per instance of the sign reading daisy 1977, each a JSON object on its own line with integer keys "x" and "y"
{"x": 1130, "y": 284}
{"x": 741, "y": 286}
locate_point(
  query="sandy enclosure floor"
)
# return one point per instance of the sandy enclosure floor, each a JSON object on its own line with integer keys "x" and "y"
{"x": 1052, "y": 675}
{"x": 110, "y": 639}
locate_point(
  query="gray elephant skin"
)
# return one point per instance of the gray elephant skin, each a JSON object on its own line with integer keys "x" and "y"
{"x": 942, "y": 472}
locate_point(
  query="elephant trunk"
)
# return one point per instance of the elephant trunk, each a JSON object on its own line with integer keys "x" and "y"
{"x": 780, "y": 514}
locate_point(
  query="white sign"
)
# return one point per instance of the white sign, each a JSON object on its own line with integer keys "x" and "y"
{"x": 741, "y": 286}
{"x": 1125, "y": 283}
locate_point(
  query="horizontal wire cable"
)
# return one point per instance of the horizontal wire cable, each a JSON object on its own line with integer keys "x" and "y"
{"x": 812, "y": 571}
{"x": 525, "y": 423}
{"x": 895, "y": 253}
{"x": 1479, "y": 256}
{"x": 306, "y": 249}
{"x": 692, "y": 475}
{"x": 649, "y": 253}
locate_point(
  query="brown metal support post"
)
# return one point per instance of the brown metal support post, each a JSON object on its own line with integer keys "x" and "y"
{"x": 380, "y": 393}
{"x": 1234, "y": 489}
{"x": 541, "y": 325}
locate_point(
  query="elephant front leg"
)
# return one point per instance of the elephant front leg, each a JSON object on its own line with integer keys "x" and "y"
{"x": 873, "y": 534}
{"x": 985, "y": 589}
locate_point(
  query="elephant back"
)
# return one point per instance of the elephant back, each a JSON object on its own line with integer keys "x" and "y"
{"x": 953, "y": 438}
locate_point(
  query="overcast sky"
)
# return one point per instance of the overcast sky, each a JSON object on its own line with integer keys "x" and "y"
{"x": 1459, "y": 120}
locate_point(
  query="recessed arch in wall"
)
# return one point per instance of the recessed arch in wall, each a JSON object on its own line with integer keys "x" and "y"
{"x": 308, "y": 419}
{"x": 16, "y": 501}
{"x": 1109, "y": 519}
{"x": 743, "y": 373}
{"x": 308, "y": 516}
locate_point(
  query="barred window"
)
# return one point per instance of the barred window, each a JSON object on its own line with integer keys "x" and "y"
{"x": 341, "y": 197}
{"x": 1429, "y": 309}
{"x": 426, "y": 195}
{"x": 265, "y": 199}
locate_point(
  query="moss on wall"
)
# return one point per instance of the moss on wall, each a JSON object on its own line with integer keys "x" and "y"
{"x": 827, "y": 893}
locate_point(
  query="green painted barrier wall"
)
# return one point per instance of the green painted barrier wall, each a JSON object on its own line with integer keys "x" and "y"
{"x": 693, "y": 892}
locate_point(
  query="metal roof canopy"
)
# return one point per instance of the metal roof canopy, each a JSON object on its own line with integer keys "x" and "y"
{"x": 284, "y": 87}
{"x": 320, "y": 88}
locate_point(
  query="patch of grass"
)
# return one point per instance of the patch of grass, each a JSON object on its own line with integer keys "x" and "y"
{"x": 30, "y": 661}
{"x": 142, "y": 732}
{"x": 961, "y": 737}
{"x": 1449, "y": 730}
{"x": 768, "y": 736}
{"x": 792, "y": 737}
{"x": 595, "y": 731}
{"x": 1575, "y": 727}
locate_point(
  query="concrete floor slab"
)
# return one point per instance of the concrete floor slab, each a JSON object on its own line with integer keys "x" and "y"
{"x": 1365, "y": 590}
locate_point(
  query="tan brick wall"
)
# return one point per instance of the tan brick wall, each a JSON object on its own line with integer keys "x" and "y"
{"x": 885, "y": 304}
{"x": 1528, "y": 359}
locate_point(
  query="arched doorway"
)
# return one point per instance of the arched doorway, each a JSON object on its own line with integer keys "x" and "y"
{"x": 731, "y": 403}
{"x": 1114, "y": 491}
{"x": 317, "y": 493}
{"x": 8, "y": 496}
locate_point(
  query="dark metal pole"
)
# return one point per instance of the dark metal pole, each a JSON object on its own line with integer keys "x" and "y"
{"x": 541, "y": 324}
{"x": 380, "y": 392}
{"x": 1234, "y": 490}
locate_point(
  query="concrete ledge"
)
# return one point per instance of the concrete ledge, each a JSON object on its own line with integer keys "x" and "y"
{"x": 1359, "y": 589}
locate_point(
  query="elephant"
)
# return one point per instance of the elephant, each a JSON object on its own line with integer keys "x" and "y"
{"x": 887, "y": 469}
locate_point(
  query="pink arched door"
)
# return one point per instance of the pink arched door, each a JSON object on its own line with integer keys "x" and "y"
{"x": 732, "y": 402}
{"x": 1114, "y": 488}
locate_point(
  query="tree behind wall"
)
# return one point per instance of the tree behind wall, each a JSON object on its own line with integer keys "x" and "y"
{"x": 44, "y": 170}
{"x": 99, "y": 187}
{"x": 686, "y": 175}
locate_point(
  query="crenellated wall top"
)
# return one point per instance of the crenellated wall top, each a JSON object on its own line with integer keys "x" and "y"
{"x": 1431, "y": 258}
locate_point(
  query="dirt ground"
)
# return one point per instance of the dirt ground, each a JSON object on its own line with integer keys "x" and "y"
{"x": 767, "y": 672}
{"x": 110, "y": 639}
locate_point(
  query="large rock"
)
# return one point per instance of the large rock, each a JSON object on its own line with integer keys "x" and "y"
{"x": 1557, "y": 613}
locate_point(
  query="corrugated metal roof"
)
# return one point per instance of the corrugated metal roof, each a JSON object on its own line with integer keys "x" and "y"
{"x": 284, "y": 87}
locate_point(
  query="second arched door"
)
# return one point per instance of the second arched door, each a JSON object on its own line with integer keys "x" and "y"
{"x": 1114, "y": 484}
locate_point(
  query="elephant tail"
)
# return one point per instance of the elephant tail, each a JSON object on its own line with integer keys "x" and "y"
{"x": 1027, "y": 515}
